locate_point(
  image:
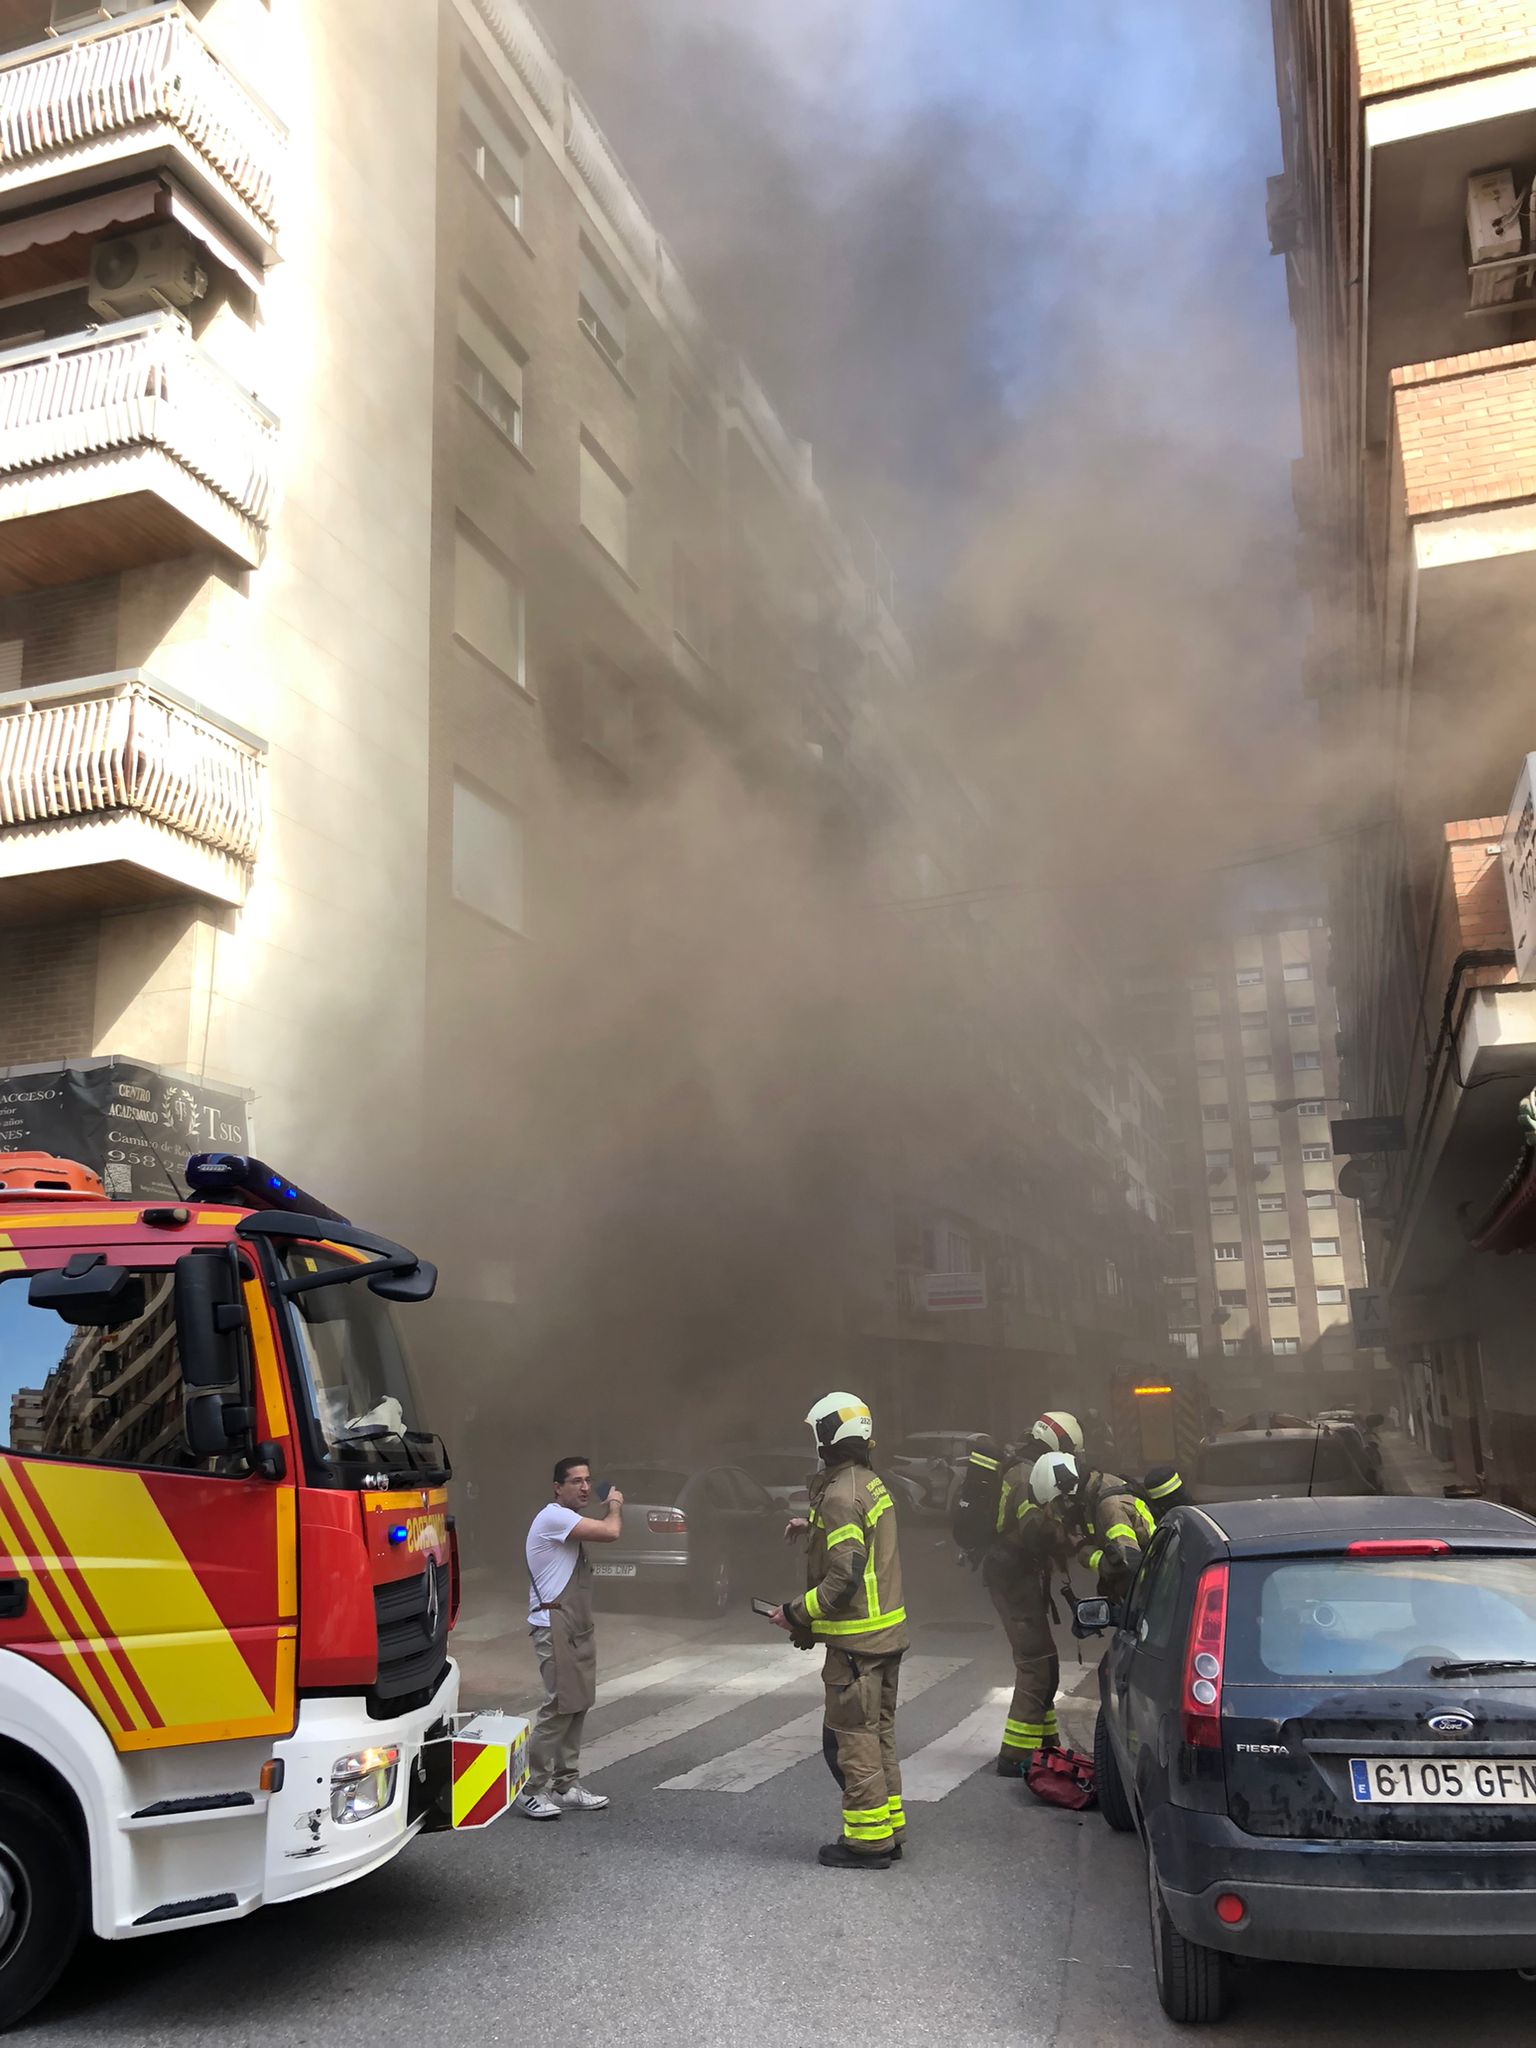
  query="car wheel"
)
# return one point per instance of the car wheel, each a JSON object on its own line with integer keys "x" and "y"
{"x": 715, "y": 1587}
{"x": 1107, "y": 1781}
{"x": 1191, "y": 1980}
{"x": 42, "y": 1898}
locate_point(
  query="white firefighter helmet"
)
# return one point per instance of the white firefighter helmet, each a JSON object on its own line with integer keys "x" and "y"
{"x": 1058, "y": 1431}
{"x": 1053, "y": 1477}
{"x": 840, "y": 1419}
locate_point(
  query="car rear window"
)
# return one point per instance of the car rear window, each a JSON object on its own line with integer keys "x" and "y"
{"x": 650, "y": 1484}
{"x": 1275, "y": 1461}
{"x": 1371, "y": 1618}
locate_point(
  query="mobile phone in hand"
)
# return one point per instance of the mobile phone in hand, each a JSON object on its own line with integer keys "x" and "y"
{"x": 765, "y": 1607}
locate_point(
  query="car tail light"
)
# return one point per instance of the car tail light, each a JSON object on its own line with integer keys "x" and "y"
{"x": 1203, "y": 1660}
{"x": 666, "y": 1521}
{"x": 1398, "y": 1546}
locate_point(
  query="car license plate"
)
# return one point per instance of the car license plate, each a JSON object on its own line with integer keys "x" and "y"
{"x": 614, "y": 1571}
{"x": 1443, "y": 1781}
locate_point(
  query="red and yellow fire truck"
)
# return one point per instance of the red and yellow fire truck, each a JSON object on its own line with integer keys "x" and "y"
{"x": 227, "y": 1567}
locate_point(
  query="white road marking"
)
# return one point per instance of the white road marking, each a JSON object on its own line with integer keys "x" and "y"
{"x": 754, "y": 1763}
{"x": 691, "y": 1664}
{"x": 769, "y": 1671}
{"x": 953, "y": 1757}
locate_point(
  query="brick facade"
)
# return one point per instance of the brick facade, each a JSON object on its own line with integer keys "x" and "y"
{"x": 47, "y": 993}
{"x": 1466, "y": 430}
{"x": 1405, "y": 43}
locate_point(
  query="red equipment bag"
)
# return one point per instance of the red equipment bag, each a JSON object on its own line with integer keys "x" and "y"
{"x": 1062, "y": 1778}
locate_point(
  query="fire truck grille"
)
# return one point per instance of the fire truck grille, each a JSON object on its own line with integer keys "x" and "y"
{"x": 412, "y": 1650}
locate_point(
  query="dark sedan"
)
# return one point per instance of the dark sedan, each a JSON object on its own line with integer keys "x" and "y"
{"x": 704, "y": 1537}
{"x": 1320, "y": 1717}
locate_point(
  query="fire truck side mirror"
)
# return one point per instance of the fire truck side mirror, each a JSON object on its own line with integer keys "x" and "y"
{"x": 210, "y": 1317}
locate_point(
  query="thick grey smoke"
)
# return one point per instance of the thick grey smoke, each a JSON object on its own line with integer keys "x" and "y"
{"x": 1035, "y": 341}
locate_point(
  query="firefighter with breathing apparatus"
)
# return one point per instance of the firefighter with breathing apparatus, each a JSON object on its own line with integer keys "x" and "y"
{"x": 853, "y": 1604}
{"x": 1105, "y": 1522}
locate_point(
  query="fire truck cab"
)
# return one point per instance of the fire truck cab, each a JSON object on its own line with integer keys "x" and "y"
{"x": 227, "y": 1567}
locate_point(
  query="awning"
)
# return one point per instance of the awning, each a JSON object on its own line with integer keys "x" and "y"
{"x": 42, "y": 251}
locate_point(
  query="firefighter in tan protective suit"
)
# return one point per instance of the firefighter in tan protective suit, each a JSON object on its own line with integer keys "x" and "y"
{"x": 1105, "y": 1520}
{"x": 1016, "y": 1573}
{"x": 853, "y": 1604}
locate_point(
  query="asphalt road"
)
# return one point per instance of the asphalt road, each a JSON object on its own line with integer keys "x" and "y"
{"x": 697, "y": 1913}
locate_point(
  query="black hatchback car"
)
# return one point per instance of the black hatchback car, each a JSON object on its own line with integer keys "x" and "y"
{"x": 1320, "y": 1716}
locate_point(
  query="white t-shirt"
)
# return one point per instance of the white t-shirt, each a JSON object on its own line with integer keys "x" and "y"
{"x": 552, "y": 1554}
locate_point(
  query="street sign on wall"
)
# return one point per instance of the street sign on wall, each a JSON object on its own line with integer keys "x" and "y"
{"x": 1519, "y": 863}
{"x": 1357, "y": 1134}
{"x": 954, "y": 1290}
{"x": 132, "y": 1123}
{"x": 1371, "y": 1316}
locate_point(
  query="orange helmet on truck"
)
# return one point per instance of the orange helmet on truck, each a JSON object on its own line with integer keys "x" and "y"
{"x": 229, "y": 1569}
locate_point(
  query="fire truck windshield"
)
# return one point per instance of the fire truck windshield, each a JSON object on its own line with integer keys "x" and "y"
{"x": 361, "y": 1387}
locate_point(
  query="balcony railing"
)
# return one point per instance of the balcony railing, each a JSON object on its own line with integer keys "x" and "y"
{"x": 124, "y": 744}
{"x": 138, "y": 386}
{"x": 68, "y": 96}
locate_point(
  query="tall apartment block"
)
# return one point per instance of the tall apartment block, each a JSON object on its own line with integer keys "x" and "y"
{"x": 1266, "y": 1248}
{"x": 1404, "y": 218}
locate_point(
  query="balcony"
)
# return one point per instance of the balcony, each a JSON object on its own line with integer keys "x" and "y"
{"x": 116, "y": 792}
{"x": 123, "y": 447}
{"x": 142, "y": 92}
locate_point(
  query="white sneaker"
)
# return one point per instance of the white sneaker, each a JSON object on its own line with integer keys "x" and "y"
{"x": 577, "y": 1799}
{"x": 537, "y": 1806}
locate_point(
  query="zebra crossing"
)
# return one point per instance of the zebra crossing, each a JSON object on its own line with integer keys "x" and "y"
{"x": 679, "y": 1696}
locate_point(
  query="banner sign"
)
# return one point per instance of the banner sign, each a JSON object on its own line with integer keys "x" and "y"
{"x": 132, "y": 1123}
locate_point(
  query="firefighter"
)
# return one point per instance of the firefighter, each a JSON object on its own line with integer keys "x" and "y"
{"x": 1016, "y": 1574}
{"x": 1055, "y": 1430}
{"x": 1163, "y": 1491}
{"x": 853, "y": 1604}
{"x": 1105, "y": 1521}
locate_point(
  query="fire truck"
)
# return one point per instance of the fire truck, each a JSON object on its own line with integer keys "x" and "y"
{"x": 1158, "y": 1417}
{"x": 228, "y": 1571}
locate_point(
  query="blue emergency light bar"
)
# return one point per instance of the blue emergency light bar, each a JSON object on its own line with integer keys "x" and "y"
{"x": 234, "y": 1177}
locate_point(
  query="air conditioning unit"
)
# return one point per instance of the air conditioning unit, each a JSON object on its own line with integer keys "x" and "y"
{"x": 152, "y": 271}
{"x": 1493, "y": 232}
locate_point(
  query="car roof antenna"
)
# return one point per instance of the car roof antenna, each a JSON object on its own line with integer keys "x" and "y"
{"x": 1317, "y": 1442}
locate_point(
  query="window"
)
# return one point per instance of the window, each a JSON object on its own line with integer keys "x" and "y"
{"x": 1277, "y": 1247}
{"x": 1162, "y": 1598}
{"x": 1321, "y": 1200}
{"x": 690, "y": 609}
{"x": 1310, "y": 1108}
{"x": 1285, "y": 1347}
{"x": 1282, "y": 1297}
{"x": 690, "y": 431}
{"x": 1232, "y": 1347}
{"x": 1298, "y": 970}
{"x": 1229, "y": 1251}
{"x": 604, "y": 501}
{"x": 948, "y": 1250}
{"x": 1301, "y": 1017}
{"x": 491, "y": 148}
{"x": 1200, "y": 984}
{"x": 1266, "y": 1155}
{"x": 1218, "y": 1162}
{"x": 487, "y": 855}
{"x": 1312, "y": 1153}
{"x": 1325, "y": 1247}
{"x": 1270, "y": 1205}
{"x": 109, "y": 1394}
{"x": 1187, "y": 1341}
{"x": 1258, "y": 1063}
{"x": 1215, "y": 1112}
{"x": 1361, "y": 1621}
{"x": 601, "y": 307}
{"x": 1306, "y": 1060}
{"x": 1249, "y": 977}
{"x": 1330, "y": 1297}
{"x": 488, "y": 604}
{"x": 1259, "y": 1111}
{"x": 1210, "y": 1070}
{"x": 490, "y": 372}
{"x": 1232, "y": 1297}
{"x": 1224, "y": 1205}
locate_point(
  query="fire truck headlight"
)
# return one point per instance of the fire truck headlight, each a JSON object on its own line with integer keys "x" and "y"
{"x": 363, "y": 1784}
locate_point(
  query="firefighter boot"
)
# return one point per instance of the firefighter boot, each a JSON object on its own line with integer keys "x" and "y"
{"x": 838, "y": 1856}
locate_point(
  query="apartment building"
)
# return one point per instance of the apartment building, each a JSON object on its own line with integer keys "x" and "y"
{"x": 1403, "y": 216}
{"x": 1266, "y": 1249}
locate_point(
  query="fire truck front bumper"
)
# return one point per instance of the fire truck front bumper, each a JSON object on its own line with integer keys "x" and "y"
{"x": 355, "y": 1790}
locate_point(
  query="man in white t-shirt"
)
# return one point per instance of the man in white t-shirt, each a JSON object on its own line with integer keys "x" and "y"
{"x": 560, "y": 1622}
